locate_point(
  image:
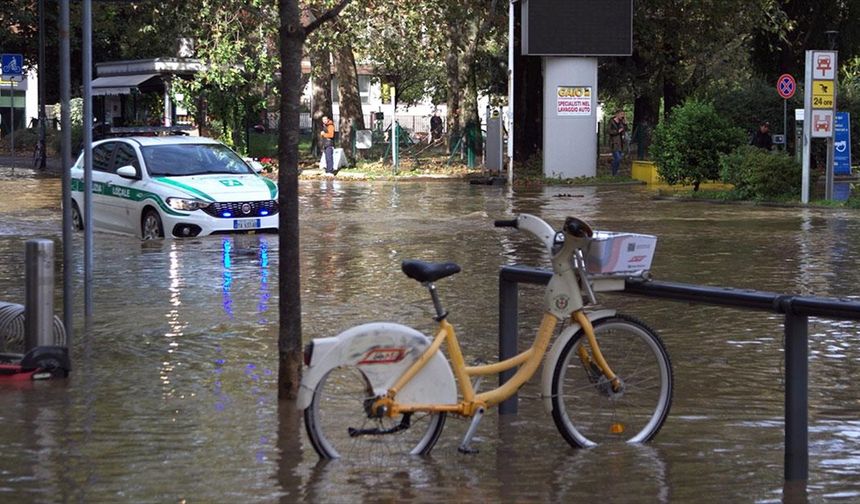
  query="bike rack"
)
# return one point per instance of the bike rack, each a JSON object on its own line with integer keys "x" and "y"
{"x": 797, "y": 310}
{"x": 34, "y": 326}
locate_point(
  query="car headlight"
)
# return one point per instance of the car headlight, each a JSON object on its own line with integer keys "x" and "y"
{"x": 189, "y": 205}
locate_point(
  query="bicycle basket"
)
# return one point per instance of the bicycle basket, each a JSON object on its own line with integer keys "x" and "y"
{"x": 622, "y": 254}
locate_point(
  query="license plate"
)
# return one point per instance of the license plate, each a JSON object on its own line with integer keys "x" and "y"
{"x": 246, "y": 224}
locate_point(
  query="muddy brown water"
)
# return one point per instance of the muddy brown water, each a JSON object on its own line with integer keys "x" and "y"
{"x": 173, "y": 392}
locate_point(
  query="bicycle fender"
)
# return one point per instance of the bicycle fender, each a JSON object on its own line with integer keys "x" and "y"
{"x": 383, "y": 351}
{"x": 555, "y": 352}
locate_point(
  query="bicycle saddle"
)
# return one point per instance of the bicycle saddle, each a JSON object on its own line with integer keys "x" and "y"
{"x": 428, "y": 272}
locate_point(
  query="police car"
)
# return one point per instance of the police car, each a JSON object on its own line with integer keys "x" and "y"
{"x": 175, "y": 186}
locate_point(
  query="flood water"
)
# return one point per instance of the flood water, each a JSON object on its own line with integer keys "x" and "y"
{"x": 173, "y": 393}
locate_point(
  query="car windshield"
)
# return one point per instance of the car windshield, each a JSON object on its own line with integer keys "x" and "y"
{"x": 192, "y": 159}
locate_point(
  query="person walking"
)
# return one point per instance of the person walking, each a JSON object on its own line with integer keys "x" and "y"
{"x": 617, "y": 129}
{"x": 327, "y": 135}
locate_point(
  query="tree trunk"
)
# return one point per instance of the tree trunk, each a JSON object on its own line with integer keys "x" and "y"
{"x": 349, "y": 97}
{"x": 671, "y": 94}
{"x": 470, "y": 117}
{"x": 528, "y": 107}
{"x": 292, "y": 37}
{"x": 528, "y": 101}
{"x": 452, "y": 68}
{"x": 645, "y": 118}
{"x": 321, "y": 72}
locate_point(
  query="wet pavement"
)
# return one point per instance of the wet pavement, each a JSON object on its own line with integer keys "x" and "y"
{"x": 173, "y": 392}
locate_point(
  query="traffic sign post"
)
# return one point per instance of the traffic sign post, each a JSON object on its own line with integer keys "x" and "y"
{"x": 819, "y": 105}
{"x": 12, "y": 64}
{"x": 12, "y": 69}
{"x": 785, "y": 86}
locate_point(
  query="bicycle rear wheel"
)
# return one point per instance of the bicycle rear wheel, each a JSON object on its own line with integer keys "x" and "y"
{"x": 339, "y": 425}
{"x": 587, "y": 411}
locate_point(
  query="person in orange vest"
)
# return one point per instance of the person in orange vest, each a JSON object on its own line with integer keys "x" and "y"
{"x": 327, "y": 135}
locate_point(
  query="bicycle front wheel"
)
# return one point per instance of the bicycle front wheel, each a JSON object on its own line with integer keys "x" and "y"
{"x": 586, "y": 408}
{"x": 339, "y": 424}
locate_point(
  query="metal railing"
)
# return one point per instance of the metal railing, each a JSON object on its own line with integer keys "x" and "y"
{"x": 796, "y": 309}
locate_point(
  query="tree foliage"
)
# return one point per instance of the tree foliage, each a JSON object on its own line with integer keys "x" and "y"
{"x": 688, "y": 146}
{"x": 235, "y": 39}
{"x": 789, "y": 28}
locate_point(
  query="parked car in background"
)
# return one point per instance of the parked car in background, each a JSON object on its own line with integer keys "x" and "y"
{"x": 174, "y": 186}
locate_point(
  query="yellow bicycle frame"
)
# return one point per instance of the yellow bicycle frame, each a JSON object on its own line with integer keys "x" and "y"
{"x": 528, "y": 360}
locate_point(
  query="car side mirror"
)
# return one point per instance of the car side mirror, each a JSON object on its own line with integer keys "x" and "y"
{"x": 254, "y": 164}
{"x": 128, "y": 171}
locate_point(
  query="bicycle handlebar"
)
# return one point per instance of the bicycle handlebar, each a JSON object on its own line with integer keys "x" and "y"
{"x": 578, "y": 228}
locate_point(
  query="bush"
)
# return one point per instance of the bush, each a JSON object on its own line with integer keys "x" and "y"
{"x": 688, "y": 146}
{"x": 761, "y": 174}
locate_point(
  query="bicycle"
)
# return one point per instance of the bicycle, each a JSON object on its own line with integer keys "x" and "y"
{"x": 385, "y": 387}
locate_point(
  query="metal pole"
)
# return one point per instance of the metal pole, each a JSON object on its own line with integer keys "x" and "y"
{"x": 12, "y": 116}
{"x": 87, "y": 48}
{"x": 785, "y": 125}
{"x": 508, "y": 291}
{"x": 511, "y": 92}
{"x": 807, "y": 131}
{"x": 828, "y": 170}
{"x": 394, "y": 159}
{"x": 41, "y": 76}
{"x": 39, "y": 286}
{"x": 66, "y": 150}
{"x": 830, "y": 153}
{"x": 796, "y": 397}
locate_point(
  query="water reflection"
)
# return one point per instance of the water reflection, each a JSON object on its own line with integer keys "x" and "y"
{"x": 173, "y": 392}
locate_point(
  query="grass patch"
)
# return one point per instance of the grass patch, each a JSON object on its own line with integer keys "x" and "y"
{"x": 701, "y": 195}
{"x": 413, "y": 167}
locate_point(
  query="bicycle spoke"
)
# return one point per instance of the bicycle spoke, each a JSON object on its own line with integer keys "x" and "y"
{"x": 588, "y": 413}
{"x": 341, "y": 427}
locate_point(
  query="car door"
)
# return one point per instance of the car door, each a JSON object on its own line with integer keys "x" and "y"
{"x": 106, "y": 211}
{"x": 127, "y": 191}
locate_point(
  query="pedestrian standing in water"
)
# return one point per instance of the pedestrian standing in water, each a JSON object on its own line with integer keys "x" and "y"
{"x": 327, "y": 135}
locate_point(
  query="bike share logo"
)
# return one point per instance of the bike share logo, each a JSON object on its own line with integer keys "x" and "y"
{"x": 383, "y": 356}
{"x": 561, "y": 302}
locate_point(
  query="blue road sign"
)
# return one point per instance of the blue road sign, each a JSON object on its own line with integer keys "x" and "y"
{"x": 842, "y": 144}
{"x": 11, "y": 64}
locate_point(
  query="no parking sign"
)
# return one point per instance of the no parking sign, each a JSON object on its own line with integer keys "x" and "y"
{"x": 786, "y": 86}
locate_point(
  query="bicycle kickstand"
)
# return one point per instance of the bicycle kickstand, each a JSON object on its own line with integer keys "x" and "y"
{"x": 464, "y": 446}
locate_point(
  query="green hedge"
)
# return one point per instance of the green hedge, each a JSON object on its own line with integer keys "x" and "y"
{"x": 760, "y": 174}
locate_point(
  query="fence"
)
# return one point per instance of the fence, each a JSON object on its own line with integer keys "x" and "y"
{"x": 411, "y": 122}
{"x": 797, "y": 310}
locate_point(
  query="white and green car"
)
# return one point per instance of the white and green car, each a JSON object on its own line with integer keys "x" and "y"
{"x": 177, "y": 186}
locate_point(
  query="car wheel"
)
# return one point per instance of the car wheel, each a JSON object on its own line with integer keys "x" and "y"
{"x": 77, "y": 218}
{"x": 151, "y": 228}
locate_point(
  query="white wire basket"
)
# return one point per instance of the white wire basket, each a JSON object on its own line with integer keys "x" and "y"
{"x": 619, "y": 254}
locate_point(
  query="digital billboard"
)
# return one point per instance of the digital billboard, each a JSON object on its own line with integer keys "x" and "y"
{"x": 577, "y": 27}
